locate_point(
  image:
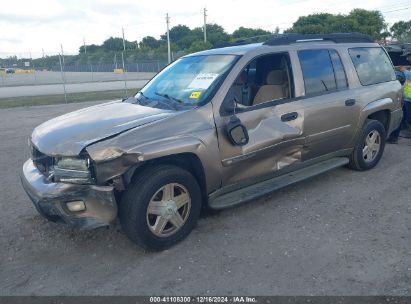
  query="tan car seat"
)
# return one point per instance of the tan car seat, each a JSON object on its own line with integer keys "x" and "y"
{"x": 241, "y": 89}
{"x": 275, "y": 87}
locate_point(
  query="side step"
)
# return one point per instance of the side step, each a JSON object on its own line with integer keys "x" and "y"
{"x": 263, "y": 188}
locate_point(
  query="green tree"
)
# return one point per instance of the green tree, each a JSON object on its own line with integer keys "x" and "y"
{"x": 216, "y": 34}
{"x": 116, "y": 44}
{"x": 312, "y": 24}
{"x": 401, "y": 31}
{"x": 181, "y": 35}
{"x": 92, "y": 48}
{"x": 246, "y": 32}
{"x": 368, "y": 22}
{"x": 199, "y": 45}
{"x": 358, "y": 20}
{"x": 150, "y": 42}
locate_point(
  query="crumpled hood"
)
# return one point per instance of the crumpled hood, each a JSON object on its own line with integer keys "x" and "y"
{"x": 70, "y": 133}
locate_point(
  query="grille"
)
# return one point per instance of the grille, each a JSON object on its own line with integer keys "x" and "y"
{"x": 42, "y": 161}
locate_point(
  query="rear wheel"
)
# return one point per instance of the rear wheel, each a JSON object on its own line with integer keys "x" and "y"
{"x": 160, "y": 207}
{"x": 370, "y": 146}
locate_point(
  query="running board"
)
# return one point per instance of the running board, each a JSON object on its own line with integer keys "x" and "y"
{"x": 260, "y": 189}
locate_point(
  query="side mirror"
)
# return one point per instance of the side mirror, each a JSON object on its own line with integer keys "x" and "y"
{"x": 237, "y": 132}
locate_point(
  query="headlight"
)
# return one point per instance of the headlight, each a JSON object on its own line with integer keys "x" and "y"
{"x": 72, "y": 170}
{"x": 72, "y": 163}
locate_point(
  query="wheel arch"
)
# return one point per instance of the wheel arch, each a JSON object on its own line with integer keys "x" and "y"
{"x": 194, "y": 153}
{"x": 377, "y": 110}
{"x": 188, "y": 161}
{"x": 383, "y": 116}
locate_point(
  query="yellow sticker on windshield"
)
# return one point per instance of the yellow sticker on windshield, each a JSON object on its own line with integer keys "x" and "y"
{"x": 195, "y": 95}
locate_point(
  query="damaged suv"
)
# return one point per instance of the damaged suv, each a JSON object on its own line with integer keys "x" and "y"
{"x": 215, "y": 129}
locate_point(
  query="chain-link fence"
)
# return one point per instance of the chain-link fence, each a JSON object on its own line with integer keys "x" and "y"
{"x": 23, "y": 73}
{"x": 25, "y": 69}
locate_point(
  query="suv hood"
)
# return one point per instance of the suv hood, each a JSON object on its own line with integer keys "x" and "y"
{"x": 70, "y": 133}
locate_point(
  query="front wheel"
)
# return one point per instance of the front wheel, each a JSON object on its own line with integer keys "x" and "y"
{"x": 370, "y": 146}
{"x": 160, "y": 207}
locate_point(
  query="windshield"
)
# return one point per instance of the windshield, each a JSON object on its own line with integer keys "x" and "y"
{"x": 186, "y": 83}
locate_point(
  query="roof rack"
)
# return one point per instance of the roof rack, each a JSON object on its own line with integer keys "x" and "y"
{"x": 335, "y": 37}
{"x": 245, "y": 41}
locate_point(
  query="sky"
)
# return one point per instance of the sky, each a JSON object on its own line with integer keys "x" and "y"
{"x": 43, "y": 25}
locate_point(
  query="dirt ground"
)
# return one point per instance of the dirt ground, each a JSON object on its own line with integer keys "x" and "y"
{"x": 341, "y": 233}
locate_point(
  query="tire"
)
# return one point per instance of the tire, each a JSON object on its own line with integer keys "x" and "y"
{"x": 145, "y": 226}
{"x": 361, "y": 162}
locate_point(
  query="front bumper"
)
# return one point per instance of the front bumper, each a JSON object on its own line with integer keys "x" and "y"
{"x": 50, "y": 200}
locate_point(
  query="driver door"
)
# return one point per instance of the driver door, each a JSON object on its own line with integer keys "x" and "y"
{"x": 272, "y": 117}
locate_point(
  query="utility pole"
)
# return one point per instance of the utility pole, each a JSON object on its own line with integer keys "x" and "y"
{"x": 63, "y": 76}
{"x": 42, "y": 50}
{"x": 205, "y": 25}
{"x": 168, "y": 38}
{"x": 84, "y": 44}
{"x": 124, "y": 42}
{"x": 124, "y": 67}
{"x": 34, "y": 68}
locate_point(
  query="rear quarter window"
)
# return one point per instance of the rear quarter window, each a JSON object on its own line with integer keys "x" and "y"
{"x": 372, "y": 65}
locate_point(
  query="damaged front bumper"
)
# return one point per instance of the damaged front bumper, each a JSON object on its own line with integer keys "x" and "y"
{"x": 50, "y": 200}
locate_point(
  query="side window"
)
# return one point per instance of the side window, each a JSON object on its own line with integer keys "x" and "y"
{"x": 372, "y": 65}
{"x": 340, "y": 77}
{"x": 266, "y": 78}
{"x": 317, "y": 70}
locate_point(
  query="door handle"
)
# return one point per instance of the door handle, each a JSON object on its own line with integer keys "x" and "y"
{"x": 350, "y": 102}
{"x": 289, "y": 116}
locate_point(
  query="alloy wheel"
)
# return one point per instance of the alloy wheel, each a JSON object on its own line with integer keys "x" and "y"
{"x": 168, "y": 210}
{"x": 372, "y": 146}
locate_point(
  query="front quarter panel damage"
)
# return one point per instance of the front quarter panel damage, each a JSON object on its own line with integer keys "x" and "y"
{"x": 192, "y": 132}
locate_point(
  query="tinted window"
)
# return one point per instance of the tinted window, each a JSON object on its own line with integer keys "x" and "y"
{"x": 372, "y": 65}
{"x": 339, "y": 72}
{"x": 317, "y": 70}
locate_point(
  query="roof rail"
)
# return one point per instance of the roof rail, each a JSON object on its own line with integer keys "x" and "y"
{"x": 245, "y": 41}
{"x": 335, "y": 37}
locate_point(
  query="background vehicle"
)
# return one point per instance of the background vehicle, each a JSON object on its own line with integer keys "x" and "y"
{"x": 9, "y": 71}
{"x": 213, "y": 130}
{"x": 396, "y": 51}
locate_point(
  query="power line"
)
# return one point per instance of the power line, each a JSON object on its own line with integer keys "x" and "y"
{"x": 397, "y": 10}
{"x": 391, "y": 6}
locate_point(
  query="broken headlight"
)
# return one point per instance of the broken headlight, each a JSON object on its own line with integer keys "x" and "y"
{"x": 72, "y": 170}
{"x": 72, "y": 163}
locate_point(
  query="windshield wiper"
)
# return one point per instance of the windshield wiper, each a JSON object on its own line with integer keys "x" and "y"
{"x": 139, "y": 100}
{"x": 169, "y": 97}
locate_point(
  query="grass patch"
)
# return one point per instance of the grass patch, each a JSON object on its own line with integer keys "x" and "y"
{"x": 59, "y": 99}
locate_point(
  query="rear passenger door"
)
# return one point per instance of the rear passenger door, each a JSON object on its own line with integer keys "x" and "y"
{"x": 330, "y": 109}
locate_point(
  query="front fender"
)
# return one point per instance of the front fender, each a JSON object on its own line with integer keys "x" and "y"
{"x": 112, "y": 161}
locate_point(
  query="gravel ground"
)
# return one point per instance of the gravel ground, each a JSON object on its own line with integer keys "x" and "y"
{"x": 341, "y": 233}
